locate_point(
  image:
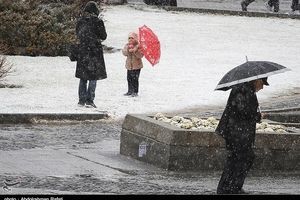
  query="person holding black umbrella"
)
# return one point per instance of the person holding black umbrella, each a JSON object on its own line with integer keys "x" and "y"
{"x": 238, "y": 127}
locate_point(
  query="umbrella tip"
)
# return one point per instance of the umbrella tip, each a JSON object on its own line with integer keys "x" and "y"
{"x": 246, "y": 59}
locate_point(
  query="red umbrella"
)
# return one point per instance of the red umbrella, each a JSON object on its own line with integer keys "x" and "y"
{"x": 150, "y": 44}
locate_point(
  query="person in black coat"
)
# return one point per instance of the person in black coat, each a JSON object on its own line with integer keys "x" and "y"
{"x": 272, "y": 4}
{"x": 90, "y": 31}
{"x": 245, "y": 4}
{"x": 295, "y": 5}
{"x": 238, "y": 127}
{"x": 269, "y": 4}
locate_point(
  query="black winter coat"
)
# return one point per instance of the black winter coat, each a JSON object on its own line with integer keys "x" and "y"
{"x": 238, "y": 121}
{"x": 90, "y": 31}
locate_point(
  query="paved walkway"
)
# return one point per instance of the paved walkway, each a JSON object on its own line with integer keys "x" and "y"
{"x": 66, "y": 162}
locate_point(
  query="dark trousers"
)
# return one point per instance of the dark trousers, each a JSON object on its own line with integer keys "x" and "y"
{"x": 86, "y": 91}
{"x": 247, "y": 2}
{"x": 238, "y": 163}
{"x": 272, "y": 3}
{"x": 295, "y": 5}
{"x": 275, "y": 4}
{"x": 133, "y": 80}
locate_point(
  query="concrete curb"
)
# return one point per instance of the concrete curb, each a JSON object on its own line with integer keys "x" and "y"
{"x": 291, "y": 109}
{"x": 17, "y": 118}
{"x": 284, "y": 115}
{"x": 231, "y": 12}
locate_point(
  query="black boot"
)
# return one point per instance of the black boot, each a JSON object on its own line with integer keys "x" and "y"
{"x": 90, "y": 103}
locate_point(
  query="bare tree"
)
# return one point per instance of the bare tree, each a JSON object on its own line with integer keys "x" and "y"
{"x": 5, "y": 67}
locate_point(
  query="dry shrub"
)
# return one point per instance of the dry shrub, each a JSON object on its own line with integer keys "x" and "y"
{"x": 5, "y": 67}
{"x": 31, "y": 28}
{"x": 39, "y": 27}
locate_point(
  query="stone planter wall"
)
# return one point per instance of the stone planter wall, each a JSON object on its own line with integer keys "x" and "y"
{"x": 166, "y": 146}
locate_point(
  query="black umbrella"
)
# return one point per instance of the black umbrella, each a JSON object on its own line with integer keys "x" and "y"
{"x": 248, "y": 71}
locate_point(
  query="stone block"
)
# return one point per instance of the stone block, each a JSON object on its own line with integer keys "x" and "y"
{"x": 172, "y": 148}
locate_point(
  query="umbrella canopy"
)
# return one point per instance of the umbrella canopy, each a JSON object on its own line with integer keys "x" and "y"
{"x": 251, "y": 70}
{"x": 150, "y": 44}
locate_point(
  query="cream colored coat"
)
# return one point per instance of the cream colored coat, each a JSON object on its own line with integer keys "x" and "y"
{"x": 134, "y": 59}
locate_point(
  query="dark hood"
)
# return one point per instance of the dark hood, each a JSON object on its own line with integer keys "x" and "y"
{"x": 91, "y": 7}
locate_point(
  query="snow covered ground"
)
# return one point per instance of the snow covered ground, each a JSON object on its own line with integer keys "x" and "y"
{"x": 197, "y": 50}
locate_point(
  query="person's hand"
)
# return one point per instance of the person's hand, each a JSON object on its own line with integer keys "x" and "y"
{"x": 264, "y": 115}
{"x": 130, "y": 46}
{"x": 258, "y": 117}
{"x": 133, "y": 49}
